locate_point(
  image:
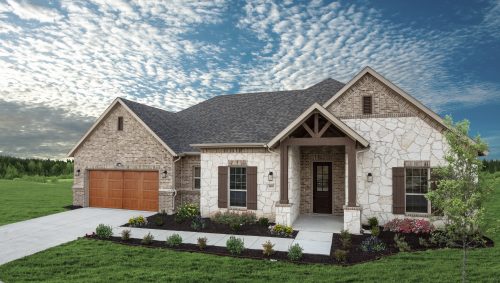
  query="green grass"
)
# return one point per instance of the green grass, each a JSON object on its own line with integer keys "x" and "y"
{"x": 21, "y": 200}
{"x": 97, "y": 261}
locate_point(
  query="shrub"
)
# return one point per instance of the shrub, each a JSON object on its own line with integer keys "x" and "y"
{"x": 137, "y": 221}
{"x": 104, "y": 231}
{"x": 234, "y": 220}
{"x": 174, "y": 240}
{"x": 295, "y": 252}
{"x": 401, "y": 244}
{"x": 148, "y": 239}
{"x": 372, "y": 244}
{"x": 235, "y": 245}
{"x": 159, "y": 221}
{"x": 267, "y": 248}
{"x": 375, "y": 231}
{"x": 264, "y": 221}
{"x": 408, "y": 225}
{"x": 202, "y": 243}
{"x": 186, "y": 212}
{"x": 340, "y": 255}
{"x": 345, "y": 239}
{"x": 441, "y": 239}
{"x": 198, "y": 223}
{"x": 373, "y": 222}
{"x": 281, "y": 230}
{"x": 423, "y": 242}
{"x": 126, "y": 235}
{"x": 248, "y": 218}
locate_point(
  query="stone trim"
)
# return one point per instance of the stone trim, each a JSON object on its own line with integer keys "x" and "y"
{"x": 237, "y": 163}
{"x": 417, "y": 164}
{"x": 234, "y": 150}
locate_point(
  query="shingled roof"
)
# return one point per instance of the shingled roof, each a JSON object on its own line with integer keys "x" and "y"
{"x": 235, "y": 118}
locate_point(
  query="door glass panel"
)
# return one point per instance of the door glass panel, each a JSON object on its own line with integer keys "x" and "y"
{"x": 322, "y": 178}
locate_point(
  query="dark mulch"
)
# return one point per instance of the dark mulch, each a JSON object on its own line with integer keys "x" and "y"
{"x": 355, "y": 255}
{"x": 72, "y": 207}
{"x": 167, "y": 222}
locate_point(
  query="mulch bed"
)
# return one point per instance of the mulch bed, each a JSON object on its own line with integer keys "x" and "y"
{"x": 168, "y": 223}
{"x": 355, "y": 255}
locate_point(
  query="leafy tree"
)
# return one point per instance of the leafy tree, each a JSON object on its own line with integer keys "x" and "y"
{"x": 460, "y": 193}
{"x": 11, "y": 172}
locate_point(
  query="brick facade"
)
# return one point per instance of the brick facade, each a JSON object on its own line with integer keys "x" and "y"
{"x": 184, "y": 180}
{"x": 334, "y": 154}
{"x": 134, "y": 147}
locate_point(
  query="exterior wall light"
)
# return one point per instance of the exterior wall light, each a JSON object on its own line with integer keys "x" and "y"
{"x": 164, "y": 174}
{"x": 369, "y": 177}
{"x": 77, "y": 172}
{"x": 270, "y": 177}
{"x": 119, "y": 164}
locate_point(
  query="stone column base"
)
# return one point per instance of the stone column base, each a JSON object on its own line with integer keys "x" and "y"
{"x": 166, "y": 201}
{"x": 284, "y": 214}
{"x": 352, "y": 219}
{"x": 78, "y": 196}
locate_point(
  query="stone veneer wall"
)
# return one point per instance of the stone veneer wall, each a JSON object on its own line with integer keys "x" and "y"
{"x": 134, "y": 147}
{"x": 334, "y": 154}
{"x": 392, "y": 141}
{"x": 184, "y": 180}
{"x": 267, "y": 192}
{"x": 294, "y": 182}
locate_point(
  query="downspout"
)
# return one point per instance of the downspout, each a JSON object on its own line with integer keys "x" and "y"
{"x": 173, "y": 184}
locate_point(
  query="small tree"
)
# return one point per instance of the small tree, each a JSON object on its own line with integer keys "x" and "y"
{"x": 459, "y": 194}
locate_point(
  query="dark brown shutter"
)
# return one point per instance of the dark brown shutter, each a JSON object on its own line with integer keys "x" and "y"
{"x": 434, "y": 179}
{"x": 252, "y": 188}
{"x": 222, "y": 187}
{"x": 398, "y": 190}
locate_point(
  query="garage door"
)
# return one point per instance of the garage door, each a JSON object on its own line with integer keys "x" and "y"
{"x": 137, "y": 190}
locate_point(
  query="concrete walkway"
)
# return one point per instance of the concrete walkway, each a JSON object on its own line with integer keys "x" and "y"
{"x": 311, "y": 242}
{"x": 24, "y": 238}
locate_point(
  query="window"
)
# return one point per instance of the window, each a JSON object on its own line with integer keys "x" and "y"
{"x": 238, "y": 186}
{"x": 417, "y": 185}
{"x": 322, "y": 178}
{"x": 197, "y": 177}
{"x": 120, "y": 123}
{"x": 367, "y": 105}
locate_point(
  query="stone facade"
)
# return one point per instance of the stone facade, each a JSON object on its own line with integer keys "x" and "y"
{"x": 134, "y": 147}
{"x": 184, "y": 180}
{"x": 267, "y": 191}
{"x": 294, "y": 196}
{"x": 334, "y": 154}
{"x": 392, "y": 142}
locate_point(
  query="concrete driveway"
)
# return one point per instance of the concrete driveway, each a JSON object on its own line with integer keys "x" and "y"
{"x": 24, "y": 238}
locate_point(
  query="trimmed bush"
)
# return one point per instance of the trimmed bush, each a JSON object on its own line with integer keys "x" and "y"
{"x": 345, "y": 239}
{"x": 126, "y": 235}
{"x": 235, "y": 246}
{"x": 267, "y": 248}
{"x": 234, "y": 220}
{"x": 202, "y": 243}
{"x": 281, "y": 230}
{"x": 198, "y": 223}
{"x": 264, "y": 221}
{"x": 148, "y": 239}
{"x": 174, "y": 240}
{"x": 408, "y": 225}
{"x": 137, "y": 221}
{"x": 187, "y": 212}
{"x": 401, "y": 244}
{"x": 423, "y": 242}
{"x": 104, "y": 231}
{"x": 372, "y": 244}
{"x": 340, "y": 255}
{"x": 373, "y": 222}
{"x": 295, "y": 252}
{"x": 159, "y": 221}
{"x": 375, "y": 231}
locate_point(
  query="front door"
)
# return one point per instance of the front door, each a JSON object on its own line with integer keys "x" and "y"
{"x": 322, "y": 187}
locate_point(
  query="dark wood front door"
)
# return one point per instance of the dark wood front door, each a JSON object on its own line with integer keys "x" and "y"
{"x": 322, "y": 187}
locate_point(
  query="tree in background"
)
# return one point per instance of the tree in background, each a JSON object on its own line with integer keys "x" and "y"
{"x": 460, "y": 192}
{"x": 13, "y": 167}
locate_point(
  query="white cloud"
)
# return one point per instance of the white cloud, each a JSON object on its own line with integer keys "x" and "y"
{"x": 29, "y": 11}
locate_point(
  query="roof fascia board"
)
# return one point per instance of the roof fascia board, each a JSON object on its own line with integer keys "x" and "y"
{"x": 226, "y": 145}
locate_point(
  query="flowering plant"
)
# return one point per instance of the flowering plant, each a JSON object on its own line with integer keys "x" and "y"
{"x": 408, "y": 225}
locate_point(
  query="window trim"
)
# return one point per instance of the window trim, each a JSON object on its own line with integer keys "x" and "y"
{"x": 194, "y": 178}
{"x": 120, "y": 123}
{"x": 429, "y": 208}
{"x": 229, "y": 188}
{"x": 363, "y": 104}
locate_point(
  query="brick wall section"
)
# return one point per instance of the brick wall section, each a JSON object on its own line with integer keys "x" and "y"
{"x": 134, "y": 147}
{"x": 184, "y": 180}
{"x": 308, "y": 155}
{"x": 386, "y": 103}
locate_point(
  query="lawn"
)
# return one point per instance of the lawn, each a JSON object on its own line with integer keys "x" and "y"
{"x": 21, "y": 200}
{"x": 95, "y": 261}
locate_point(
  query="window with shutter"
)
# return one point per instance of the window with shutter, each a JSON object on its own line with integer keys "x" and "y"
{"x": 252, "y": 188}
{"x": 398, "y": 190}
{"x": 367, "y": 105}
{"x": 222, "y": 187}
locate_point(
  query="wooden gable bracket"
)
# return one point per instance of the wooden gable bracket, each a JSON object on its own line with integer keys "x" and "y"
{"x": 316, "y": 133}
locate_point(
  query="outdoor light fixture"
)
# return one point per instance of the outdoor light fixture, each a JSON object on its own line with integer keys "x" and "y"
{"x": 369, "y": 177}
{"x": 78, "y": 172}
{"x": 164, "y": 174}
{"x": 270, "y": 177}
{"x": 119, "y": 164}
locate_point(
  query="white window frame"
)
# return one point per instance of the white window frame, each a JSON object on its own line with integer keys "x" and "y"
{"x": 196, "y": 178}
{"x": 229, "y": 187}
{"x": 429, "y": 210}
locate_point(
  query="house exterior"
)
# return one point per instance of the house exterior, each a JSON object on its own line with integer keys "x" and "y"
{"x": 357, "y": 150}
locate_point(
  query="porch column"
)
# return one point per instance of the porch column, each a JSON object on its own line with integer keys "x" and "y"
{"x": 284, "y": 173}
{"x": 351, "y": 169}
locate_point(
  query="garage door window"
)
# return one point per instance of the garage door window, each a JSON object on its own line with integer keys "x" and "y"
{"x": 238, "y": 187}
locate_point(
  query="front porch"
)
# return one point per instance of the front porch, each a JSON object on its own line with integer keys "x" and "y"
{"x": 319, "y": 223}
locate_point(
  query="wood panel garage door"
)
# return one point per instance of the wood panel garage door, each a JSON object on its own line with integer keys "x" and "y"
{"x": 137, "y": 190}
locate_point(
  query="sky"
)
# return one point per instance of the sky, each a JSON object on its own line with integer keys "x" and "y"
{"x": 63, "y": 62}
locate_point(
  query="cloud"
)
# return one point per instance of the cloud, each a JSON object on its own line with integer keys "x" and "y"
{"x": 30, "y": 11}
